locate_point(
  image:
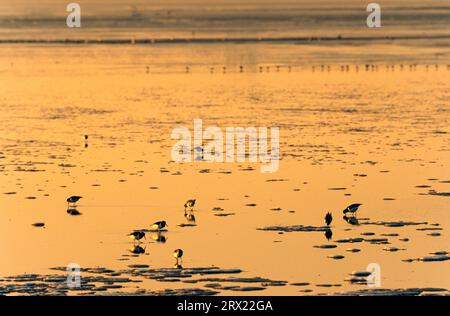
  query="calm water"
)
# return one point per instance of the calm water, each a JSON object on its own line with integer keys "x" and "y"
{"x": 377, "y": 137}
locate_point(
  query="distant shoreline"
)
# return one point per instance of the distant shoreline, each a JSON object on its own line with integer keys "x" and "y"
{"x": 212, "y": 40}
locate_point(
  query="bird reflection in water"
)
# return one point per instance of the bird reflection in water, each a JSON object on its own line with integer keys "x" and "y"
{"x": 73, "y": 211}
{"x": 159, "y": 237}
{"x": 328, "y": 234}
{"x": 352, "y": 220}
{"x": 137, "y": 250}
{"x": 178, "y": 266}
{"x": 189, "y": 215}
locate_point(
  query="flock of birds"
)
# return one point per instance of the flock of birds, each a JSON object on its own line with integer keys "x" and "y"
{"x": 343, "y": 68}
{"x": 349, "y": 210}
{"x": 139, "y": 235}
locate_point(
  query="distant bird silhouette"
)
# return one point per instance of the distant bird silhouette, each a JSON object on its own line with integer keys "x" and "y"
{"x": 159, "y": 225}
{"x": 189, "y": 204}
{"x": 328, "y": 218}
{"x": 73, "y": 199}
{"x": 352, "y": 208}
{"x": 177, "y": 254}
{"x": 328, "y": 234}
{"x": 137, "y": 236}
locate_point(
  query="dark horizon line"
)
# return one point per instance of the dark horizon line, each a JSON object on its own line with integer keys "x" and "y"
{"x": 212, "y": 40}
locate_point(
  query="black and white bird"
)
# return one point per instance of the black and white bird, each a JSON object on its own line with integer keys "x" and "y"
{"x": 137, "y": 236}
{"x": 328, "y": 218}
{"x": 351, "y": 208}
{"x": 73, "y": 199}
{"x": 177, "y": 254}
{"x": 189, "y": 204}
{"x": 159, "y": 225}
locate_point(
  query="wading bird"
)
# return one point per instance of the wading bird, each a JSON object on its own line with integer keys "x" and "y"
{"x": 328, "y": 218}
{"x": 137, "y": 236}
{"x": 73, "y": 199}
{"x": 177, "y": 254}
{"x": 159, "y": 225}
{"x": 352, "y": 208}
{"x": 189, "y": 204}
